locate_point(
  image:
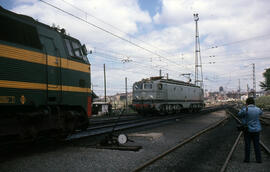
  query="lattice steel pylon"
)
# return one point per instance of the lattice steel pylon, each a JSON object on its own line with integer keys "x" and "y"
{"x": 254, "y": 80}
{"x": 198, "y": 59}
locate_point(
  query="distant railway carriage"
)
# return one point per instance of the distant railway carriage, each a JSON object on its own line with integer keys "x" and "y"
{"x": 166, "y": 96}
{"x": 44, "y": 78}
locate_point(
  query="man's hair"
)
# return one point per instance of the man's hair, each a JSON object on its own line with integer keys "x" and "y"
{"x": 250, "y": 100}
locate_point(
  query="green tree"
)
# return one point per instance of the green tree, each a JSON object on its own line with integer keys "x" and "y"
{"x": 266, "y": 84}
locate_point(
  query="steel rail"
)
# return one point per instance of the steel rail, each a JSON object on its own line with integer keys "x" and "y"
{"x": 151, "y": 161}
{"x": 97, "y": 130}
{"x": 124, "y": 122}
{"x": 104, "y": 119}
{"x": 265, "y": 117}
{"x": 266, "y": 149}
{"x": 230, "y": 153}
{"x": 126, "y": 117}
{"x": 121, "y": 126}
{"x": 264, "y": 122}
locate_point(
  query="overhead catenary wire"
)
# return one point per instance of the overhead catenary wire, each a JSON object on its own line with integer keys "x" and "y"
{"x": 126, "y": 70}
{"x": 109, "y": 32}
{"x": 116, "y": 28}
{"x": 139, "y": 63}
{"x": 106, "y": 55}
{"x": 214, "y": 46}
{"x": 222, "y": 62}
{"x": 238, "y": 41}
{"x": 154, "y": 53}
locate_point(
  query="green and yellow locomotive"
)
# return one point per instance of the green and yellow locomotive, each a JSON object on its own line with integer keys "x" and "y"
{"x": 44, "y": 79}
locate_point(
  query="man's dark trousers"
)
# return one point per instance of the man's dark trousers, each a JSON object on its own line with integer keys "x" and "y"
{"x": 255, "y": 137}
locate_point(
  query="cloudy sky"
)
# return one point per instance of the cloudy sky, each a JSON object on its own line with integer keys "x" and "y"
{"x": 137, "y": 38}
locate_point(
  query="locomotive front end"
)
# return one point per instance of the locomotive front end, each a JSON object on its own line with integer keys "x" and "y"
{"x": 143, "y": 96}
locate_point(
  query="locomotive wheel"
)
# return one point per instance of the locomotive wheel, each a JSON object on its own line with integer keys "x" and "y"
{"x": 178, "y": 108}
{"x": 164, "y": 110}
{"x": 190, "y": 110}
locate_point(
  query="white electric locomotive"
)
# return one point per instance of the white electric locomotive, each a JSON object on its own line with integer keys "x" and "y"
{"x": 166, "y": 96}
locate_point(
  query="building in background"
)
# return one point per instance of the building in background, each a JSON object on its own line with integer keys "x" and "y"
{"x": 118, "y": 101}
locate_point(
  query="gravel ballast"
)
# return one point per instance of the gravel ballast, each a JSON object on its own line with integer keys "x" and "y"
{"x": 81, "y": 158}
{"x": 205, "y": 153}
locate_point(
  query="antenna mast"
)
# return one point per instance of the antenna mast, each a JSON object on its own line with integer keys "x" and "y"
{"x": 198, "y": 59}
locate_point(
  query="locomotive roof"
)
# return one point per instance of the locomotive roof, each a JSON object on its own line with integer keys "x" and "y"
{"x": 171, "y": 81}
{"x": 33, "y": 21}
{"x": 25, "y": 17}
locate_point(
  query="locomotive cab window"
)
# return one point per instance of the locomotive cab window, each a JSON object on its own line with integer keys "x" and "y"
{"x": 147, "y": 86}
{"x": 137, "y": 86}
{"x": 74, "y": 49}
{"x": 159, "y": 86}
{"x": 70, "y": 51}
{"x": 77, "y": 49}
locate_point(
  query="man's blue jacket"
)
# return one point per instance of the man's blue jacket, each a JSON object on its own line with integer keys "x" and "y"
{"x": 253, "y": 120}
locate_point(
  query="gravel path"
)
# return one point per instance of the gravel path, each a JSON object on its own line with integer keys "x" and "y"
{"x": 236, "y": 163}
{"x": 206, "y": 153}
{"x": 75, "y": 158}
{"x": 265, "y": 135}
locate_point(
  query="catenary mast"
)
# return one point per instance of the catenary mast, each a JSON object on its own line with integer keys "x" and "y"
{"x": 198, "y": 60}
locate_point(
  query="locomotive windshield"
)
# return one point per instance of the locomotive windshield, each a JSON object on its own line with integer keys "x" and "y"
{"x": 147, "y": 86}
{"x": 137, "y": 86}
{"x": 75, "y": 49}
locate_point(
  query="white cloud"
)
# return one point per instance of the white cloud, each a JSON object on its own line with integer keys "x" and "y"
{"x": 221, "y": 22}
{"x": 170, "y": 33}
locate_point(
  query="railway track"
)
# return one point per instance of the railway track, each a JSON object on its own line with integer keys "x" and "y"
{"x": 110, "y": 119}
{"x": 225, "y": 165}
{"x": 155, "y": 162}
{"x": 195, "y": 138}
{"x": 126, "y": 117}
{"x": 160, "y": 156}
{"x": 102, "y": 125}
{"x": 106, "y": 126}
{"x": 93, "y": 134}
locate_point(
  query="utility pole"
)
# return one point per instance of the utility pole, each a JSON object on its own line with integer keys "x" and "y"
{"x": 126, "y": 94}
{"x": 198, "y": 60}
{"x": 254, "y": 81}
{"x": 239, "y": 89}
{"x": 104, "y": 83}
{"x": 182, "y": 59}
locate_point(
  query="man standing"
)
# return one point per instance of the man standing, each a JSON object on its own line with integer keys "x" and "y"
{"x": 250, "y": 115}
